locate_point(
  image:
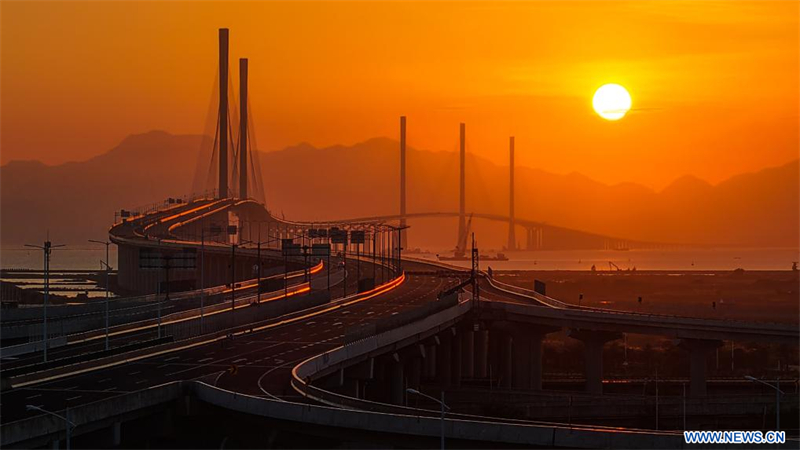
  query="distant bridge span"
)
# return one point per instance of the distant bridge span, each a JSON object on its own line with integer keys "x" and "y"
{"x": 540, "y": 235}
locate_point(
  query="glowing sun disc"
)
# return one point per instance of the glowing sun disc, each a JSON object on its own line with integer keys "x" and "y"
{"x": 611, "y": 101}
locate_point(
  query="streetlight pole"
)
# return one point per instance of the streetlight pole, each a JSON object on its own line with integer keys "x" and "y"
{"x": 202, "y": 273}
{"x": 441, "y": 404}
{"x": 684, "y": 406}
{"x": 233, "y": 277}
{"x": 47, "y": 248}
{"x": 69, "y": 424}
{"x": 778, "y": 392}
{"x": 108, "y": 268}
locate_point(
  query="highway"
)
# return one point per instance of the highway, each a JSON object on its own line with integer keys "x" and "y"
{"x": 140, "y": 331}
{"x": 259, "y": 362}
{"x": 263, "y": 359}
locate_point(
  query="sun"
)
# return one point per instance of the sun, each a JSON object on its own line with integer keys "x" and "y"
{"x": 611, "y": 101}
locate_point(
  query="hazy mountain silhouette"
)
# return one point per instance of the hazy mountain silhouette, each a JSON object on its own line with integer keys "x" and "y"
{"x": 76, "y": 201}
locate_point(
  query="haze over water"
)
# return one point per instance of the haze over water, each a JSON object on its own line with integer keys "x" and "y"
{"x": 693, "y": 259}
{"x": 15, "y": 257}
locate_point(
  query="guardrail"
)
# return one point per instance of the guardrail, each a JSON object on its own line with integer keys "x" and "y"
{"x": 398, "y": 320}
{"x": 307, "y": 369}
{"x": 217, "y": 327}
{"x": 511, "y": 289}
{"x": 354, "y": 352}
{"x": 516, "y": 290}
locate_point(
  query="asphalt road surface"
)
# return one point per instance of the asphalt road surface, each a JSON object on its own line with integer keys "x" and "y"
{"x": 264, "y": 359}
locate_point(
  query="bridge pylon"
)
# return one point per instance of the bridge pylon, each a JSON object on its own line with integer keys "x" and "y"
{"x": 223, "y": 113}
{"x": 462, "y": 203}
{"x": 403, "y": 225}
{"x": 512, "y": 237}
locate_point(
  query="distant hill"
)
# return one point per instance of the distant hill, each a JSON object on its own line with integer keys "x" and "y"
{"x": 76, "y": 201}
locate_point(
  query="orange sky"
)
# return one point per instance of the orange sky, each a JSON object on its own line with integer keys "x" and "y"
{"x": 714, "y": 84}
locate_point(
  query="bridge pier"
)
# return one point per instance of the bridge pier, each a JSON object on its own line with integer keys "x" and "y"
{"x": 500, "y": 360}
{"x": 457, "y": 357}
{"x": 413, "y": 358}
{"x": 397, "y": 392}
{"x": 699, "y": 350}
{"x": 116, "y": 434}
{"x": 357, "y": 376}
{"x": 415, "y": 371}
{"x": 429, "y": 366}
{"x": 593, "y": 342}
{"x": 481, "y": 352}
{"x": 512, "y": 237}
{"x": 468, "y": 348}
{"x": 444, "y": 359}
{"x": 528, "y": 356}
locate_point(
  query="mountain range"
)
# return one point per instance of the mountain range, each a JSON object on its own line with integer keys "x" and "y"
{"x": 77, "y": 200}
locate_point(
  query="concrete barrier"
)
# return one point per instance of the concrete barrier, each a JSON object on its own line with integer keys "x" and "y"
{"x": 482, "y": 432}
{"x": 42, "y": 429}
{"x": 30, "y": 347}
{"x": 300, "y": 306}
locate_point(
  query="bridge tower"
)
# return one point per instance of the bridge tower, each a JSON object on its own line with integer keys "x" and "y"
{"x": 223, "y": 113}
{"x": 403, "y": 230}
{"x": 512, "y": 237}
{"x": 462, "y": 204}
{"x": 243, "y": 128}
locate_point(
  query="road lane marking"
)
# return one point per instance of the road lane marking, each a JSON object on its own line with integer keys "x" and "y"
{"x": 281, "y": 322}
{"x": 74, "y": 398}
{"x": 205, "y": 359}
{"x": 173, "y": 358}
{"x": 33, "y": 396}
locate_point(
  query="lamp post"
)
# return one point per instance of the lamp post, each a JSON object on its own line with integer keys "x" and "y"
{"x": 778, "y": 392}
{"x": 47, "y": 248}
{"x": 233, "y": 277}
{"x": 202, "y": 272}
{"x": 441, "y": 404}
{"x": 69, "y": 424}
{"x": 108, "y": 268}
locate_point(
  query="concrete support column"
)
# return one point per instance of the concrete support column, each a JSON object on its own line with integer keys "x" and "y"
{"x": 444, "y": 360}
{"x": 468, "y": 353}
{"x": 521, "y": 376}
{"x": 352, "y": 387}
{"x": 505, "y": 343}
{"x": 430, "y": 362}
{"x": 481, "y": 353}
{"x": 357, "y": 376}
{"x": 397, "y": 386}
{"x": 116, "y": 434}
{"x": 699, "y": 350}
{"x": 527, "y": 351}
{"x": 536, "y": 362}
{"x": 414, "y": 370}
{"x": 593, "y": 342}
{"x": 457, "y": 358}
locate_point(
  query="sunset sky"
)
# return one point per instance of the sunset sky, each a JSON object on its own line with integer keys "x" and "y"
{"x": 714, "y": 84}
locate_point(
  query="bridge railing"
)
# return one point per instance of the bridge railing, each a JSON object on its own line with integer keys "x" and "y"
{"x": 165, "y": 204}
{"x": 549, "y": 301}
{"x": 649, "y": 316}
